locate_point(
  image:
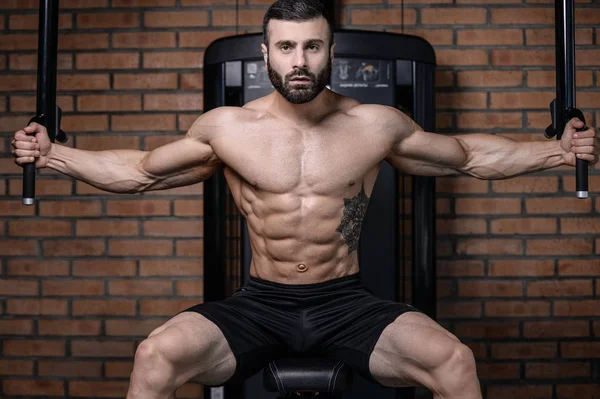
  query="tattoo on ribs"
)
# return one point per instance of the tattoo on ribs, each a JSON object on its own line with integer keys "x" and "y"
{"x": 354, "y": 213}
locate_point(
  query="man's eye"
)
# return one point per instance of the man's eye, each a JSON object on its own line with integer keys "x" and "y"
{"x": 285, "y": 47}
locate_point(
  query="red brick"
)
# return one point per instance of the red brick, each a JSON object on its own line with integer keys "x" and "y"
{"x": 140, "y": 287}
{"x": 82, "y": 41}
{"x": 489, "y": 37}
{"x": 569, "y": 183}
{"x": 144, "y": 3}
{"x": 523, "y": 57}
{"x": 143, "y": 123}
{"x": 245, "y": 17}
{"x": 462, "y": 57}
{"x": 174, "y": 59}
{"x": 186, "y": 121}
{"x": 54, "y": 307}
{"x": 10, "y": 326}
{"x": 490, "y": 79}
{"x": 522, "y": 16}
{"x": 164, "y": 307}
{"x": 455, "y": 268}
{"x": 138, "y": 208}
{"x": 107, "y": 61}
{"x": 192, "y": 81}
{"x": 189, "y": 248}
{"x": 523, "y": 226}
{"x": 453, "y": 16}
{"x": 382, "y": 17}
{"x": 576, "y": 391}
{"x": 468, "y": 101}
{"x": 173, "y": 102}
{"x": 460, "y": 310}
{"x": 33, "y": 228}
{"x": 188, "y": 19}
{"x": 102, "y": 348}
{"x": 529, "y": 184}
{"x": 140, "y": 247}
{"x": 83, "y": 4}
{"x": 118, "y": 369}
{"x": 85, "y": 123}
{"x": 104, "y": 267}
{"x": 75, "y": 82}
{"x": 97, "y": 143}
{"x": 500, "y": 371}
{"x": 203, "y": 38}
{"x": 150, "y": 81}
{"x": 481, "y": 206}
{"x": 106, "y": 227}
{"x": 548, "y": 79}
{"x": 558, "y": 329}
{"x": 475, "y": 288}
{"x": 579, "y": 267}
{"x": 559, "y": 246}
{"x": 18, "y": 247}
{"x": 188, "y": 207}
{"x": 15, "y": 208}
{"x": 14, "y": 83}
{"x": 190, "y": 288}
{"x": 45, "y": 388}
{"x": 139, "y": 328}
{"x": 435, "y": 36}
{"x": 520, "y": 100}
{"x": 111, "y": 307}
{"x": 580, "y": 349}
{"x": 519, "y": 391}
{"x": 108, "y": 20}
{"x": 517, "y": 309}
{"x": 73, "y": 248}
{"x": 69, "y": 327}
{"x": 557, "y": 370}
{"x": 28, "y": 103}
{"x": 69, "y": 368}
{"x": 574, "y": 308}
{"x": 112, "y": 102}
{"x": 529, "y": 350}
{"x": 27, "y": 62}
{"x": 144, "y": 40}
{"x": 73, "y": 287}
{"x": 16, "y": 367}
{"x": 33, "y": 347}
{"x": 70, "y": 208}
{"x": 461, "y": 226}
{"x": 486, "y": 329}
{"x": 557, "y": 205}
{"x": 580, "y": 225}
{"x": 173, "y": 228}
{"x": 168, "y": 267}
{"x": 18, "y": 42}
{"x": 31, "y": 21}
{"x": 189, "y": 390}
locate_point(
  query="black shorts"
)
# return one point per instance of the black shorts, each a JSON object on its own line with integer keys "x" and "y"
{"x": 338, "y": 318}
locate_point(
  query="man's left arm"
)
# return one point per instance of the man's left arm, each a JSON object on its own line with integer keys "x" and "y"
{"x": 487, "y": 156}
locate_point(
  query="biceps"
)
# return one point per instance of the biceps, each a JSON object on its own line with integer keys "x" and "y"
{"x": 184, "y": 161}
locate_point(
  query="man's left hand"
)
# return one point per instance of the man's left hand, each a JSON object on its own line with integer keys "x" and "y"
{"x": 583, "y": 145}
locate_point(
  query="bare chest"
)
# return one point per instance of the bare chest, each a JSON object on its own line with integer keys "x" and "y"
{"x": 320, "y": 161}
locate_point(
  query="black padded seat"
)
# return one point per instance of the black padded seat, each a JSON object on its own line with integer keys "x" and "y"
{"x": 307, "y": 375}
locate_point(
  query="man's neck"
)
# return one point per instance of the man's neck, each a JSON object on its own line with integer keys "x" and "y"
{"x": 301, "y": 114}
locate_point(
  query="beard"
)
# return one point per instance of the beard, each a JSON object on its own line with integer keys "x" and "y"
{"x": 300, "y": 94}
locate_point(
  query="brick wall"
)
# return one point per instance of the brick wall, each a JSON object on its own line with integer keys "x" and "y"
{"x": 86, "y": 275}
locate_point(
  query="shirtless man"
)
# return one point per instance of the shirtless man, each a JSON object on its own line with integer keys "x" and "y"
{"x": 290, "y": 159}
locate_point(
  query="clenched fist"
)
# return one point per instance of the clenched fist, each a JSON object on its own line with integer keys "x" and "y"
{"x": 583, "y": 145}
{"x": 31, "y": 144}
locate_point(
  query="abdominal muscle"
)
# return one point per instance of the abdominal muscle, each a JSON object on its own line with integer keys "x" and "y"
{"x": 293, "y": 235}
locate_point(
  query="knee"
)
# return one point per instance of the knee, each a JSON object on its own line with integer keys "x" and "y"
{"x": 458, "y": 370}
{"x": 151, "y": 367}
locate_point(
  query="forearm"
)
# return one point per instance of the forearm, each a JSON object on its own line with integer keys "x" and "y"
{"x": 496, "y": 157}
{"x": 112, "y": 170}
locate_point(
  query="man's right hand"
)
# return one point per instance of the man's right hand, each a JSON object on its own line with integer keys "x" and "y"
{"x": 31, "y": 143}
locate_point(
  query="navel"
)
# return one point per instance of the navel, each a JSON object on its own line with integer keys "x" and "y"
{"x": 301, "y": 268}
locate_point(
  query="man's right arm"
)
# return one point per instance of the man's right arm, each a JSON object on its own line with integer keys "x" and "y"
{"x": 186, "y": 161}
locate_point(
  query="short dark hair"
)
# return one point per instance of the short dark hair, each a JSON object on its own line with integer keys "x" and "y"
{"x": 298, "y": 10}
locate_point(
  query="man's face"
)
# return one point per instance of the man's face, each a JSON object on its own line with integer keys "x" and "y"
{"x": 298, "y": 58}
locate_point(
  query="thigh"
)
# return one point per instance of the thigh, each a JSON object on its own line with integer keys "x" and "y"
{"x": 196, "y": 348}
{"x": 409, "y": 350}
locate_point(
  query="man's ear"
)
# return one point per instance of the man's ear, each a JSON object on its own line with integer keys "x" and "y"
{"x": 331, "y": 51}
{"x": 265, "y": 53}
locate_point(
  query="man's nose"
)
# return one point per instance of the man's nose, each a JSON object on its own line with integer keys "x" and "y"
{"x": 300, "y": 58}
